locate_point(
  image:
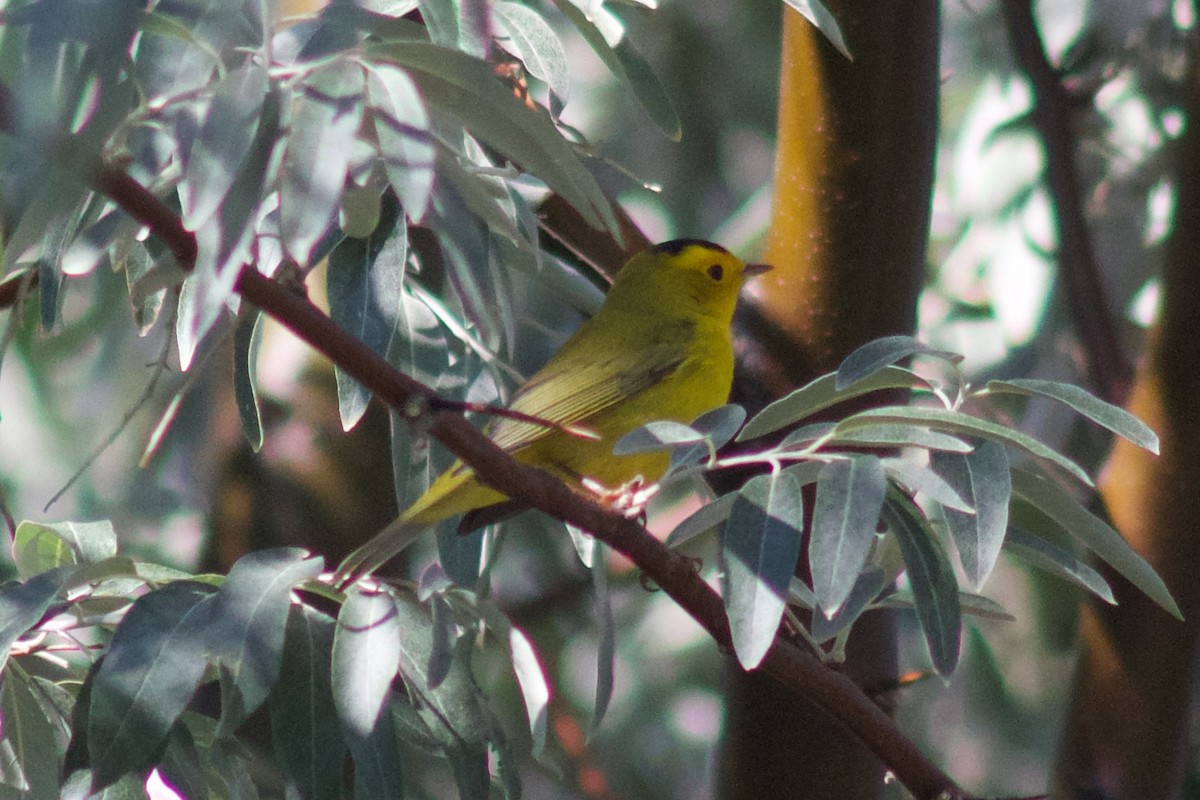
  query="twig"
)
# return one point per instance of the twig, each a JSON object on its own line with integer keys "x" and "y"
{"x": 1078, "y": 267}
{"x": 840, "y": 697}
{"x": 160, "y": 367}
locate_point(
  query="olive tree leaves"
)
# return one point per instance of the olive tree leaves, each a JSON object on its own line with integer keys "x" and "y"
{"x": 940, "y": 479}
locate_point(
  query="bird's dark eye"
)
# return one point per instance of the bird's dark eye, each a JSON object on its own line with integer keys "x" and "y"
{"x": 716, "y": 272}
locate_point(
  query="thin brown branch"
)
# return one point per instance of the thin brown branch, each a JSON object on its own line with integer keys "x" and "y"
{"x": 840, "y": 697}
{"x": 1079, "y": 268}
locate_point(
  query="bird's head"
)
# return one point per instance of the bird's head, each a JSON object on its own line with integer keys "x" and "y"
{"x": 687, "y": 276}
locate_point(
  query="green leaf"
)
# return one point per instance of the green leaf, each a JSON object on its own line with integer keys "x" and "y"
{"x": 324, "y": 128}
{"x": 153, "y": 666}
{"x": 246, "y": 636}
{"x": 919, "y": 478}
{"x": 1093, "y": 533}
{"x": 1037, "y": 552}
{"x": 702, "y": 520}
{"x": 22, "y": 605}
{"x": 366, "y": 656}
{"x": 535, "y": 689}
{"x": 821, "y": 394}
{"x": 866, "y": 588}
{"x": 38, "y": 548}
{"x": 223, "y": 239}
{"x": 606, "y": 35}
{"x": 606, "y": 646}
{"x": 90, "y": 542}
{"x": 468, "y": 90}
{"x": 1114, "y": 418}
{"x": 445, "y": 633}
{"x": 378, "y": 772}
{"x": 718, "y": 427}
{"x": 304, "y": 720}
{"x": 365, "y": 281}
{"x": 35, "y": 737}
{"x": 982, "y": 478}
{"x": 899, "y": 436}
{"x": 246, "y": 339}
{"x": 222, "y": 144}
{"x": 873, "y": 356}
{"x": 452, "y": 710}
{"x": 934, "y": 587}
{"x": 975, "y": 605}
{"x": 526, "y": 34}
{"x": 846, "y": 513}
{"x": 658, "y": 435}
{"x": 957, "y": 422}
{"x": 815, "y": 12}
{"x": 759, "y": 548}
{"x": 402, "y": 129}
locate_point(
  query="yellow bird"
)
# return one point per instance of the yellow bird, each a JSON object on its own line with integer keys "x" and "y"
{"x": 659, "y": 348}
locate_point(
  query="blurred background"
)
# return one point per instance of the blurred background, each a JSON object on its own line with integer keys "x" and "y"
{"x": 990, "y": 294}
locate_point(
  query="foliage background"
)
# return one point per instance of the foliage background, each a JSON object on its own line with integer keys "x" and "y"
{"x": 989, "y": 297}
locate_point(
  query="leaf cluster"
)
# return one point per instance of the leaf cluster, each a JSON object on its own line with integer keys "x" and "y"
{"x": 112, "y": 666}
{"x": 897, "y": 488}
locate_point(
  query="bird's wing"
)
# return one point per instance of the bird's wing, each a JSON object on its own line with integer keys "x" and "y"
{"x": 581, "y": 382}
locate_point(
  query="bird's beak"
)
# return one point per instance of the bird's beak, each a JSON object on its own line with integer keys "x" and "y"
{"x": 756, "y": 269}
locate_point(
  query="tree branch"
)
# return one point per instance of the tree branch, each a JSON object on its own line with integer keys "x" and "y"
{"x": 1078, "y": 266}
{"x": 840, "y": 697}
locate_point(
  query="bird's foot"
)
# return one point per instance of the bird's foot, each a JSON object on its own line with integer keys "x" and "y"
{"x": 630, "y": 498}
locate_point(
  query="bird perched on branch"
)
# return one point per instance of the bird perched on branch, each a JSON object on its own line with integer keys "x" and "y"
{"x": 659, "y": 348}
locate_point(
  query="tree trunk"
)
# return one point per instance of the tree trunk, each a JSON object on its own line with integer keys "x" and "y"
{"x": 1126, "y": 732}
{"x": 853, "y": 177}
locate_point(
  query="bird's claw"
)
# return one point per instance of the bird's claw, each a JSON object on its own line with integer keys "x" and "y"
{"x": 630, "y": 498}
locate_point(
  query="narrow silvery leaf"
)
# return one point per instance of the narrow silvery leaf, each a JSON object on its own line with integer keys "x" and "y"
{"x": 721, "y": 423}
{"x": 606, "y": 647}
{"x": 658, "y": 435}
{"x": 29, "y": 750}
{"x": 224, "y": 140}
{"x": 868, "y": 586}
{"x": 980, "y": 477}
{"x": 365, "y": 281}
{"x": 760, "y": 545}
{"x": 1115, "y": 418}
{"x": 91, "y": 541}
{"x": 528, "y": 36}
{"x": 702, "y": 520}
{"x": 366, "y": 656}
{"x": 934, "y": 587}
{"x": 958, "y": 422}
{"x": 901, "y": 436}
{"x": 874, "y": 356}
{"x": 246, "y": 338}
{"x": 304, "y": 719}
{"x": 535, "y": 689}
{"x": 849, "y": 495}
{"x": 815, "y": 12}
{"x": 469, "y": 91}
{"x": 1037, "y": 552}
{"x": 405, "y": 143}
{"x": 246, "y": 635}
{"x": 324, "y": 126}
{"x": 1095, "y": 534}
{"x": 821, "y": 393}
{"x": 919, "y": 478}
{"x": 606, "y": 36}
{"x": 154, "y": 664}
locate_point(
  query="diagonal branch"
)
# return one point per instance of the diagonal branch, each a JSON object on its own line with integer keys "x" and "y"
{"x": 795, "y": 669}
{"x": 1078, "y": 266}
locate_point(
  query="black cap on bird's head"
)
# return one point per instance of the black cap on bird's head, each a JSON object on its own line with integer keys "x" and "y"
{"x": 676, "y": 246}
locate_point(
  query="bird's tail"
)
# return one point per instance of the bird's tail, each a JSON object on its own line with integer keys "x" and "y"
{"x": 454, "y": 492}
{"x": 384, "y": 546}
